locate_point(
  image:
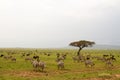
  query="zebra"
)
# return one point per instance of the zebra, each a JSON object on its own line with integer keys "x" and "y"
{"x": 60, "y": 65}
{"x": 75, "y": 58}
{"x": 89, "y": 63}
{"x": 108, "y": 62}
{"x": 60, "y": 58}
{"x": 13, "y": 59}
{"x": 28, "y": 59}
{"x": 35, "y": 65}
{"x": 38, "y": 64}
{"x": 42, "y": 65}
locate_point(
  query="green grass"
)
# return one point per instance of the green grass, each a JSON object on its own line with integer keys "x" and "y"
{"x": 23, "y": 70}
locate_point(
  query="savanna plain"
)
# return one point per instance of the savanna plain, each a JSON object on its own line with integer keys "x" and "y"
{"x": 16, "y": 64}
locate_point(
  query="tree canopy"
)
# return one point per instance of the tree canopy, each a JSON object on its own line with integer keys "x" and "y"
{"x": 81, "y": 44}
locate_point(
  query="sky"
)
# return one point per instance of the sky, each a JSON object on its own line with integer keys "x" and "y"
{"x": 56, "y": 23}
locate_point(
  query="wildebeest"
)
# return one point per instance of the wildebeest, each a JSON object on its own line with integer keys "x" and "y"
{"x": 23, "y": 55}
{"x": 58, "y": 55}
{"x": 105, "y": 55}
{"x": 1, "y": 55}
{"x": 35, "y": 57}
{"x": 59, "y": 58}
{"x": 64, "y": 56}
{"x": 28, "y": 54}
{"x": 48, "y": 54}
{"x": 113, "y": 58}
{"x": 88, "y": 56}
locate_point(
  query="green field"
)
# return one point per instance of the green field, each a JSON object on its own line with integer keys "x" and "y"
{"x": 23, "y": 70}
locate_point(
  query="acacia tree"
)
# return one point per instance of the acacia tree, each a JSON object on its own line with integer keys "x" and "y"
{"x": 81, "y": 44}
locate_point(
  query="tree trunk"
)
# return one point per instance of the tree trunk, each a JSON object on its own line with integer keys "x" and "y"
{"x": 78, "y": 53}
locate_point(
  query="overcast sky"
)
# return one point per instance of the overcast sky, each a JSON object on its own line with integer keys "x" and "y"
{"x": 56, "y": 23}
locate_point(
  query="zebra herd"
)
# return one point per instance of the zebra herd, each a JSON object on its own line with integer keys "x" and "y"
{"x": 87, "y": 60}
{"x": 8, "y": 57}
{"x": 38, "y": 65}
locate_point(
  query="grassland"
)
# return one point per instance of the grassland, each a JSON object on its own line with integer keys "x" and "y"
{"x": 23, "y": 70}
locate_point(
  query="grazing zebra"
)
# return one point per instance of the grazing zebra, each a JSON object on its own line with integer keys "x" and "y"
{"x": 109, "y": 63}
{"x": 89, "y": 63}
{"x": 59, "y": 58}
{"x": 7, "y": 57}
{"x": 35, "y": 65}
{"x": 60, "y": 65}
{"x": 13, "y": 59}
{"x": 38, "y": 64}
{"x": 42, "y": 65}
{"x": 75, "y": 58}
{"x": 81, "y": 58}
{"x": 28, "y": 59}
